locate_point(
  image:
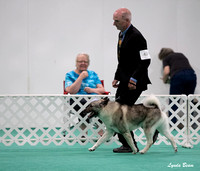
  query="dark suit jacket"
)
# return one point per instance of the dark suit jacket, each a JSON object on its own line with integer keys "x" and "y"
{"x": 130, "y": 63}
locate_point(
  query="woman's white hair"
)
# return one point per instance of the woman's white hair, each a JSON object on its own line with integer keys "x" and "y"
{"x": 85, "y": 54}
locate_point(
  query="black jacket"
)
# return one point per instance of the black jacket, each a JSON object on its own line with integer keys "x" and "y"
{"x": 130, "y": 63}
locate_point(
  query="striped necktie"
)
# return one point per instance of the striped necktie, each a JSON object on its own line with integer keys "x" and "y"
{"x": 120, "y": 40}
{"x": 119, "y": 44}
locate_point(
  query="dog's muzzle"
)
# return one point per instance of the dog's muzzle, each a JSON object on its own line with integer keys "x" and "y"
{"x": 92, "y": 114}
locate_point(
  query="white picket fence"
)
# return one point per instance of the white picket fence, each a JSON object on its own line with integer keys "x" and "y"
{"x": 56, "y": 119}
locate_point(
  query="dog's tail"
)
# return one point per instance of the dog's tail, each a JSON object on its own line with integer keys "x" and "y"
{"x": 152, "y": 101}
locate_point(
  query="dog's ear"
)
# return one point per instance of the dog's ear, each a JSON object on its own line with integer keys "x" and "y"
{"x": 105, "y": 101}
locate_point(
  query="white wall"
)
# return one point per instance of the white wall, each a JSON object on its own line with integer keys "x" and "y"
{"x": 39, "y": 39}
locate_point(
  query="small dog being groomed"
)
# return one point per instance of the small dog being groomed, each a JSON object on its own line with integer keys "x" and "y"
{"x": 123, "y": 119}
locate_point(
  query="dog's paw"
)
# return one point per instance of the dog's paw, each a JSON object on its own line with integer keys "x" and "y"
{"x": 141, "y": 152}
{"x": 176, "y": 150}
{"x": 91, "y": 149}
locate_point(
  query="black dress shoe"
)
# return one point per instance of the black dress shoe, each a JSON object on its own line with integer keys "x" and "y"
{"x": 123, "y": 149}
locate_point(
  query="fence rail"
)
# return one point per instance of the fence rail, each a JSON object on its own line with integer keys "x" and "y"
{"x": 56, "y": 119}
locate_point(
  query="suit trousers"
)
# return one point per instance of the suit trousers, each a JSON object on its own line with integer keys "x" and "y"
{"x": 128, "y": 97}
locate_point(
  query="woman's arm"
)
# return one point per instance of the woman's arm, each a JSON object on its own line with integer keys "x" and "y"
{"x": 75, "y": 87}
{"x": 166, "y": 72}
{"x": 99, "y": 90}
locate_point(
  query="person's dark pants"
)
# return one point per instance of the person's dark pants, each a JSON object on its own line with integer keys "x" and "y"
{"x": 183, "y": 82}
{"x": 128, "y": 97}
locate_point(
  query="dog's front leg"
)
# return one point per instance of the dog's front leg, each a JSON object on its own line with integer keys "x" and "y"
{"x": 129, "y": 140}
{"x": 103, "y": 139}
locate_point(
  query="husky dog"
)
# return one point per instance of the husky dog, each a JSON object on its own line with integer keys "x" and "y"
{"x": 123, "y": 119}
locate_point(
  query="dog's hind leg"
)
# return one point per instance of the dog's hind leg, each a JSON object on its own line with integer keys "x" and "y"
{"x": 130, "y": 142}
{"x": 164, "y": 130}
{"x": 171, "y": 139}
{"x": 149, "y": 137}
{"x": 166, "y": 133}
{"x": 103, "y": 139}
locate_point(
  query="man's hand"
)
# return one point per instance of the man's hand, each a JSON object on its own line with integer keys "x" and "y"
{"x": 132, "y": 84}
{"x": 115, "y": 83}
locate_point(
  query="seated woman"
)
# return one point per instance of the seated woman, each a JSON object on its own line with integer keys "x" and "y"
{"x": 81, "y": 80}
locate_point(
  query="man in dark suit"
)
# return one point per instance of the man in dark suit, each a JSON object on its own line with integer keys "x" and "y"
{"x": 131, "y": 77}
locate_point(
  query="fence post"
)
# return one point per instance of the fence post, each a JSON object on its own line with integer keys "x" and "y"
{"x": 187, "y": 131}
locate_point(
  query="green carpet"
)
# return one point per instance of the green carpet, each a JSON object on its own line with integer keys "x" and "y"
{"x": 78, "y": 158}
